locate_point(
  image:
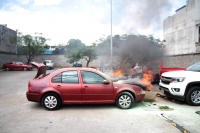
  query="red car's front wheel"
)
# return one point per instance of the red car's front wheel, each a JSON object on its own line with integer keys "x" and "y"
{"x": 124, "y": 100}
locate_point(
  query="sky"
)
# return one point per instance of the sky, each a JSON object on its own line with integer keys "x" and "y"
{"x": 87, "y": 20}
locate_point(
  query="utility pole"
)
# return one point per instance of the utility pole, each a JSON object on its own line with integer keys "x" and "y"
{"x": 111, "y": 47}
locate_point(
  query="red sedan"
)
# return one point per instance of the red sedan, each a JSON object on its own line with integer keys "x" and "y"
{"x": 80, "y": 85}
{"x": 16, "y": 66}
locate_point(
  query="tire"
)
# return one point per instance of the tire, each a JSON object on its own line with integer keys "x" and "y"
{"x": 7, "y": 69}
{"x": 193, "y": 96}
{"x": 124, "y": 100}
{"x": 51, "y": 101}
{"x": 25, "y": 69}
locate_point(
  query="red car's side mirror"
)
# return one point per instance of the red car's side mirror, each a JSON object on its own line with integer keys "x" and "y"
{"x": 105, "y": 82}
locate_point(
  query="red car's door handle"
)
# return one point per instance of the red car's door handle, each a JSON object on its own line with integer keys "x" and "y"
{"x": 85, "y": 87}
{"x": 58, "y": 86}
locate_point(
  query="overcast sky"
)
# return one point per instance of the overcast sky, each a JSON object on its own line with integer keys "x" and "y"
{"x": 87, "y": 20}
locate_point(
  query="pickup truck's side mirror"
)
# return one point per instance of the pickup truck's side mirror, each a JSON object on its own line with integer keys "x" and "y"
{"x": 105, "y": 82}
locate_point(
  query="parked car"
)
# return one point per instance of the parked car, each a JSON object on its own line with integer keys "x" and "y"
{"x": 80, "y": 86}
{"x": 49, "y": 64}
{"x": 17, "y": 66}
{"x": 77, "y": 64}
{"x": 183, "y": 85}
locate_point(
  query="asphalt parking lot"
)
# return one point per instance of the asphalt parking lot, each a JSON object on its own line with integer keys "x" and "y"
{"x": 17, "y": 114}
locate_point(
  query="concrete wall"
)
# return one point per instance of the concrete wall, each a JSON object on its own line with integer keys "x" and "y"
{"x": 181, "y": 60}
{"x": 181, "y": 30}
{"x": 7, "y": 58}
{"x": 8, "y": 40}
{"x": 60, "y": 60}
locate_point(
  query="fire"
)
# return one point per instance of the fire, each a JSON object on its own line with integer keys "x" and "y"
{"x": 117, "y": 73}
{"x": 147, "y": 79}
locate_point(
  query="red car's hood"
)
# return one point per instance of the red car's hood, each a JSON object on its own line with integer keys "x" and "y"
{"x": 41, "y": 68}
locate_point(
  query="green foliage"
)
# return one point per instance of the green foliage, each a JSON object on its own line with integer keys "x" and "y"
{"x": 89, "y": 54}
{"x": 31, "y": 45}
{"x": 73, "y": 49}
{"x": 76, "y": 50}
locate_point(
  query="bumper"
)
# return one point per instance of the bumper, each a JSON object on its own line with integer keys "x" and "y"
{"x": 140, "y": 96}
{"x": 32, "y": 97}
{"x": 176, "y": 89}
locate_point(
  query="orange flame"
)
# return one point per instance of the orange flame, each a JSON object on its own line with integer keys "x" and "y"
{"x": 117, "y": 73}
{"x": 147, "y": 79}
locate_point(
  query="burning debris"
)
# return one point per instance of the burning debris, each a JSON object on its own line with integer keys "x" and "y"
{"x": 142, "y": 77}
{"x": 144, "y": 82}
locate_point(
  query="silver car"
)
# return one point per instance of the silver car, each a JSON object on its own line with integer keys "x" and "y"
{"x": 49, "y": 64}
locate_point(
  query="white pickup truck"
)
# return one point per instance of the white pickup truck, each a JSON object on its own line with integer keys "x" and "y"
{"x": 182, "y": 85}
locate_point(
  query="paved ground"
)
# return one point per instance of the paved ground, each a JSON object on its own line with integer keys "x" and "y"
{"x": 19, "y": 115}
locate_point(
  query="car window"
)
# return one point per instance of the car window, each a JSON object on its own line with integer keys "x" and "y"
{"x": 194, "y": 67}
{"x": 91, "y": 78}
{"x": 66, "y": 77}
{"x": 70, "y": 77}
{"x": 19, "y": 63}
{"x": 57, "y": 78}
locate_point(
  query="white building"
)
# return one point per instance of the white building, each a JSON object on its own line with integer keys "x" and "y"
{"x": 182, "y": 30}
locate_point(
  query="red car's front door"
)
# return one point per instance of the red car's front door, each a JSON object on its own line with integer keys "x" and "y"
{"x": 93, "y": 89}
{"x": 67, "y": 83}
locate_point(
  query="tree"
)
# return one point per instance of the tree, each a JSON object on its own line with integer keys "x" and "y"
{"x": 89, "y": 54}
{"x": 73, "y": 48}
{"x": 76, "y": 50}
{"x": 31, "y": 45}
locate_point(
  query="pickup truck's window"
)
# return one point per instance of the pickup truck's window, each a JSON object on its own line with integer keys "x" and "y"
{"x": 91, "y": 78}
{"x": 195, "y": 67}
{"x": 66, "y": 77}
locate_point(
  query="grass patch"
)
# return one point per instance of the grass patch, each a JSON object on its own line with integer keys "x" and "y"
{"x": 165, "y": 108}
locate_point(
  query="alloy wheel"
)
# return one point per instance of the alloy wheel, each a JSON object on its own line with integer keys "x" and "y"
{"x": 195, "y": 96}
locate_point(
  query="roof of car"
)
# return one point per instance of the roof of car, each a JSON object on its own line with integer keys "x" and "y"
{"x": 79, "y": 68}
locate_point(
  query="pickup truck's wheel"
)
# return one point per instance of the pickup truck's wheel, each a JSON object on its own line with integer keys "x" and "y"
{"x": 51, "y": 101}
{"x": 124, "y": 100}
{"x": 193, "y": 96}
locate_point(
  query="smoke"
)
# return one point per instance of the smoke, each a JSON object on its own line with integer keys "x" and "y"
{"x": 140, "y": 49}
{"x": 132, "y": 49}
{"x": 140, "y": 16}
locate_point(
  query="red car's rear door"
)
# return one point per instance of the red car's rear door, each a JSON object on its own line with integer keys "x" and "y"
{"x": 67, "y": 83}
{"x": 93, "y": 89}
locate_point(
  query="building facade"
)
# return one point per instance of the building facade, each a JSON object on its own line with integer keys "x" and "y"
{"x": 8, "y": 40}
{"x": 182, "y": 30}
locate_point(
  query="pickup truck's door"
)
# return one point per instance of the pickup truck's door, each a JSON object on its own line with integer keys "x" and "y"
{"x": 93, "y": 89}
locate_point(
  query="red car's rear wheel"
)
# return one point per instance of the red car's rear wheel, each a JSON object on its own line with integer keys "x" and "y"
{"x": 51, "y": 101}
